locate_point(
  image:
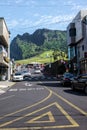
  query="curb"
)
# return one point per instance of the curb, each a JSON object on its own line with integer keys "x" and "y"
{"x": 4, "y": 88}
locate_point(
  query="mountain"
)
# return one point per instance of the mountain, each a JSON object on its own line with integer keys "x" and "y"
{"x": 28, "y": 45}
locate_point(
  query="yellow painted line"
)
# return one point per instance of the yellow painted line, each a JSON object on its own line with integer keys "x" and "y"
{"x": 28, "y": 107}
{"x": 72, "y": 121}
{"x": 74, "y": 106}
{"x": 10, "y": 114}
{"x": 9, "y": 122}
{"x": 35, "y": 120}
{"x": 69, "y": 103}
{"x": 69, "y": 118}
{"x": 39, "y": 128}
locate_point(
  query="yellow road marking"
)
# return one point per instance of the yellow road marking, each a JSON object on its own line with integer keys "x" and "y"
{"x": 72, "y": 121}
{"x": 69, "y": 118}
{"x": 28, "y": 107}
{"x": 7, "y": 123}
{"x": 69, "y": 103}
{"x": 35, "y": 120}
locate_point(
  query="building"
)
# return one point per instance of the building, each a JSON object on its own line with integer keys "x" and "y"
{"x": 4, "y": 50}
{"x": 77, "y": 42}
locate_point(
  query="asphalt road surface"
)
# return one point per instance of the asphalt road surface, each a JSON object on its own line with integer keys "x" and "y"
{"x": 41, "y": 103}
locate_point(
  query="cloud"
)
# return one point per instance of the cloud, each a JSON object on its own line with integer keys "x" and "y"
{"x": 13, "y": 23}
{"x": 76, "y": 6}
{"x": 18, "y": 1}
{"x": 47, "y": 20}
{"x": 42, "y": 21}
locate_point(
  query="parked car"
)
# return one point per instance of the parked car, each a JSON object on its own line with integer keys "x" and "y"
{"x": 67, "y": 78}
{"x": 37, "y": 71}
{"x": 17, "y": 76}
{"x": 26, "y": 74}
{"x": 80, "y": 83}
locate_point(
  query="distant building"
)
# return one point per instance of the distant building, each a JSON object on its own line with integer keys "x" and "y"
{"x": 4, "y": 50}
{"x": 77, "y": 42}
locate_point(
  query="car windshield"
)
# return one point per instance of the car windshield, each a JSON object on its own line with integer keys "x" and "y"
{"x": 26, "y": 72}
{"x": 17, "y": 73}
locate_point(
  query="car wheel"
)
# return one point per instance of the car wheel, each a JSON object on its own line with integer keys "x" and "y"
{"x": 85, "y": 90}
{"x": 72, "y": 86}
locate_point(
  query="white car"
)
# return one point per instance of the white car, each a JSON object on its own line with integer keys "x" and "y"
{"x": 17, "y": 77}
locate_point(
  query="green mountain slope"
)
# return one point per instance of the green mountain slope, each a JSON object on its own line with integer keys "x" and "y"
{"x": 45, "y": 57}
{"x": 27, "y": 46}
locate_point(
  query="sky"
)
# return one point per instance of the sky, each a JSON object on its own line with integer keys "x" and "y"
{"x": 23, "y": 16}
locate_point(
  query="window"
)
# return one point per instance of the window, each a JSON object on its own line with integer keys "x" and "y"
{"x": 82, "y": 47}
{"x": 78, "y": 53}
{"x": 85, "y": 20}
{"x": 71, "y": 52}
{"x": 72, "y": 32}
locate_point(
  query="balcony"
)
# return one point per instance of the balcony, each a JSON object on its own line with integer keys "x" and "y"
{"x": 4, "y": 33}
{"x": 4, "y": 61}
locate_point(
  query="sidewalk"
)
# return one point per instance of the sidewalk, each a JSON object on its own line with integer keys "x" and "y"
{"x": 4, "y": 85}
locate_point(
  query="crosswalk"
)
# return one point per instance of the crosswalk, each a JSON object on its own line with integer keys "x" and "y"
{"x": 26, "y": 89}
{"x": 29, "y": 85}
{"x": 2, "y": 91}
{"x": 41, "y": 78}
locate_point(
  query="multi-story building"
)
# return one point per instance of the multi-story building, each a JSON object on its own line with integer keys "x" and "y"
{"x": 77, "y": 42}
{"x": 4, "y": 50}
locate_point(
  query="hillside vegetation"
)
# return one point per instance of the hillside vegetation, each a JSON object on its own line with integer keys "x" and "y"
{"x": 27, "y": 46}
{"x": 45, "y": 57}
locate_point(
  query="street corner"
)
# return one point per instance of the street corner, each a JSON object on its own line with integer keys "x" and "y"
{"x": 6, "y": 84}
{"x": 2, "y": 91}
{"x": 10, "y": 83}
{"x": 3, "y": 86}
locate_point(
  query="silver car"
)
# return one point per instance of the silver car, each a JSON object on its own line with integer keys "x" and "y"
{"x": 26, "y": 74}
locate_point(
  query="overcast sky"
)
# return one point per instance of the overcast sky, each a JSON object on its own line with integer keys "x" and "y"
{"x": 28, "y": 15}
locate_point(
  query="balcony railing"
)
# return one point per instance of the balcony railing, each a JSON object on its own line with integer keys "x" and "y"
{"x": 4, "y": 60}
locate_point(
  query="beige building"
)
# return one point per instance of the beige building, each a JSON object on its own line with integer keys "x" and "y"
{"x": 77, "y": 42}
{"x": 4, "y": 50}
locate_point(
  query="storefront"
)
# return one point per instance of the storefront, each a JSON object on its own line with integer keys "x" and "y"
{"x": 83, "y": 65}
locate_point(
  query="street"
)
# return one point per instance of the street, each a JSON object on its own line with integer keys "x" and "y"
{"x": 41, "y": 103}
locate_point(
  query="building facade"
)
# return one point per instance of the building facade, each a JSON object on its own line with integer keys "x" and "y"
{"x": 77, "y": 43}
{"x": 4, "y": 50}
